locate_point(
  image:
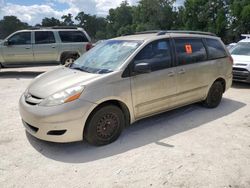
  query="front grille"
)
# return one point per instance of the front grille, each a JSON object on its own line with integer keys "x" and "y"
{"x": 240, "y": 64}
{"x": 240, "y": 74}
{"x": 239, "y": 69}
{"x": 240, "y": 78}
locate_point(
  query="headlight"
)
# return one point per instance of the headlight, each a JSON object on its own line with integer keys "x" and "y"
{"x": 67, "y": 95}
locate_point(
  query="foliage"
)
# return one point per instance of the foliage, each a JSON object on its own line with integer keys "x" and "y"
{"x": 227, "y": 18}
{"x": 10, "y": 24}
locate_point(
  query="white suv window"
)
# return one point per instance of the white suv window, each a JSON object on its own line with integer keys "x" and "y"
{"x": 22, "y": 38}
{"x": 44, "y": 37}
{"x": 72, "y": 36}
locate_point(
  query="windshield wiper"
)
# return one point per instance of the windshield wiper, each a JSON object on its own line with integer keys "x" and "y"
{"x": 81, "y": 69}
{"x": 104, "y": 71}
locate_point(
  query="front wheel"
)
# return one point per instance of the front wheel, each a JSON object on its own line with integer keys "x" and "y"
{"x": 214, "y": 95}
{"x": 105, "y": 125}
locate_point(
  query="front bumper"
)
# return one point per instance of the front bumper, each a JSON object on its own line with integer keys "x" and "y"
{"x": 241, "y": 74}
{"x": 61, "y": 123}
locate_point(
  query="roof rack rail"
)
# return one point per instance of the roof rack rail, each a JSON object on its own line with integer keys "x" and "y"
{"x": 64, "y": 27}
{"x": 186, "y": 32}
{"x": 54, "y": 27}
{"x": 163, "y": 32}
{"x": 34, "y": 28}
{"x": 148, "y": 32}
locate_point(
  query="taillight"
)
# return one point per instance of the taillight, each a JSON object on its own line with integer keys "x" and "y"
{"x": 88, "y": 46}
{"x": 231, "y": 60}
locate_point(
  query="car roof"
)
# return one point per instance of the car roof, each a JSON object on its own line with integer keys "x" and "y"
{"x": 158, "y": 35}
{"x": 54, "y": 28}
{"x": 245, "y": 40}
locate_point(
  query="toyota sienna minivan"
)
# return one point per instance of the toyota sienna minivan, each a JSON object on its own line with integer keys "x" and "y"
{"x": 125, "y": 79}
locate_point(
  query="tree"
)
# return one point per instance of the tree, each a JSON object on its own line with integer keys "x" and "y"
{"x": 151, "y": 15}
{"x": 10, "y": 24}
{"x": 120, "y": 20}
{"x": 49, "y": 22}
{"x": 67, "y": 20}
{"x": 240, "y": 16}
{"x": 95, "y": 26}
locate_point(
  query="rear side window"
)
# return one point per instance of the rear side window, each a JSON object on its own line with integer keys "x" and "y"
{"x": 190, "y": 50}
{"x": 72, "y": 36}
{"x": 215, "y": 49}
{"x": 44, "y": 37}
{"x": 157, "y": 54}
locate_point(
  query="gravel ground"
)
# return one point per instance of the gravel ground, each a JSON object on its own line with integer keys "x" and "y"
{"x": 188, "y": 147}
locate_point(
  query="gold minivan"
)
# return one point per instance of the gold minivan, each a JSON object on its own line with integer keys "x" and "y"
{"x": 125, "y": 79}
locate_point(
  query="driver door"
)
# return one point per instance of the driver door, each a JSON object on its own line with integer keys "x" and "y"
{"x": 18, "y": 49}
{"x": 155, "y": 91}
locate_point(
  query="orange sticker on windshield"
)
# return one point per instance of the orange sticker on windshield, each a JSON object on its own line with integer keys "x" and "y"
{"x": 188, "y": 49}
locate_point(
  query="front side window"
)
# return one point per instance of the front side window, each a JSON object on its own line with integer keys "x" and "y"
{"x": 44, "y": 37}
{"x": 190, "y": 50}
{"x": 106, "y": 57}
{"x": 22, "y": 38}
{"x": 215, "y": 49}
{"x": 72, "y": 36}
{"x": 242, "y": 48}
{"x": 157, "y": 54}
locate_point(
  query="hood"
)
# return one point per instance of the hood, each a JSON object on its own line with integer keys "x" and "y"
{"x": 57, "y": 80}
{"x": 241, "y": 59}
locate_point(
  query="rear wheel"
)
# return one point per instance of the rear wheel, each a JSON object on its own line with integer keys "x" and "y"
{"x": 105, "y": 125}
{"x": 214, "y": 95}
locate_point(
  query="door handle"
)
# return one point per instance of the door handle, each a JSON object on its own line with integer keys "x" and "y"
{"x": 53, "y": 47}
{"x": 27, "y": 48}
{"x": 171, "y": 74}
{"x": 182, "y": 71}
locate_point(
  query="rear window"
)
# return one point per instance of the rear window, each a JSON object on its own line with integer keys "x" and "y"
{"x": 215, "y": 49}
{"x": 44, "y": 37}
{"x": 72, "y": 36}
{"x": 190, "y": 50}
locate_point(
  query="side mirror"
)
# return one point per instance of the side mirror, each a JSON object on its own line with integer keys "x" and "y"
{"x": 142, "y": 68}
{"x": 6, "y": 43}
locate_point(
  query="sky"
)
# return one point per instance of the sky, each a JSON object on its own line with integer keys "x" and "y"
{"x": 33, "y": 11}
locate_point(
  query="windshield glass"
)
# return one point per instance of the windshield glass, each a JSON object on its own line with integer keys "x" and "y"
{"x": 242, "y": 48}
{"x": 106, "y": 56}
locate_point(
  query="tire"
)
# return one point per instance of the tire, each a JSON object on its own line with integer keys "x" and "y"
{"x": 214, "y": 95}
{"x": 104, "y": 126}
{"x": 69, "y": 59}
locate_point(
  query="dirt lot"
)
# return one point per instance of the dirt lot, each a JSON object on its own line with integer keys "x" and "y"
{"x": 189, "y": 147}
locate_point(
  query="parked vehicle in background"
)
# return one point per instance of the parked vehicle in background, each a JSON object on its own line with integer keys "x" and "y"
{"x": 123, "y": 80}
{"x": 230, "y": 46}
{"x": 241, "y": 57}
{"x": 44, "y": 46}
{"x": 98, "y": 42}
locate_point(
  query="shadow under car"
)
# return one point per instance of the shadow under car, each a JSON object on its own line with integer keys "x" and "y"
{"x": 141, "y": 133}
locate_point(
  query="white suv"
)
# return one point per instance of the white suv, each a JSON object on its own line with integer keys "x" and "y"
{"x": 241, "y": 56}
{"x": 39, "y": 46}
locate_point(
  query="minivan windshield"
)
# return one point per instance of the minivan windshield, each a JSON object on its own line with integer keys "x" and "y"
{"x": 106, "y": 57}
{"x": 242, "y": 48}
